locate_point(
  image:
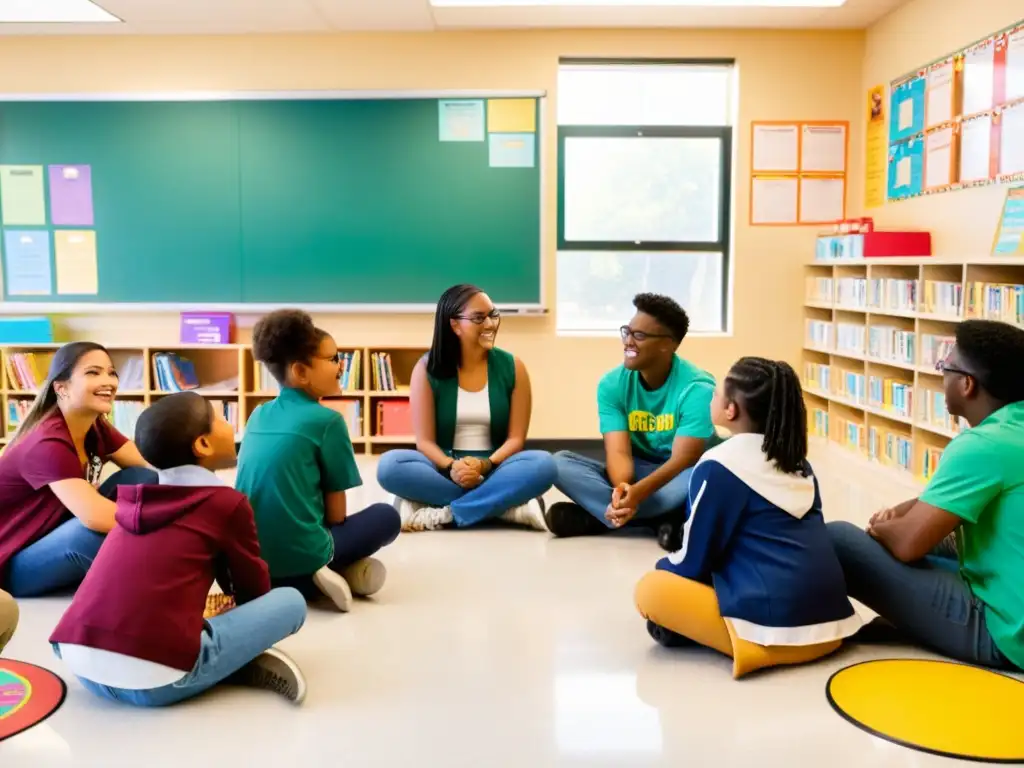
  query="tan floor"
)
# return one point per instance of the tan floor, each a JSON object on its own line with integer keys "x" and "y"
{"x": 488, "y": 649}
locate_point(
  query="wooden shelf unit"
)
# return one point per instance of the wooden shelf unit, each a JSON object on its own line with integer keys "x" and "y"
{"x": 903, "y": 304}
{"x": 215, "y": 363}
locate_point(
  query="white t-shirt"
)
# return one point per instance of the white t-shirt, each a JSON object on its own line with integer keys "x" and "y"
{"x": 473, "y": 422}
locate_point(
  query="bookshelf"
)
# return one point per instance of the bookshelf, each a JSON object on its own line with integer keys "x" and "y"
{"x": 375, "y": 406}
{"x": 874, "y": 330}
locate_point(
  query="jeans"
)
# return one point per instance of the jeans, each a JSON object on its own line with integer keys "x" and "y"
{"x": 230, "y": 641}
{"x": 518, "y": 479}
{"x": 361, "y": 535}
{"x": 61, "y": 558}
{"x": 927, "y": 600}
{"x": 586, "y": 482}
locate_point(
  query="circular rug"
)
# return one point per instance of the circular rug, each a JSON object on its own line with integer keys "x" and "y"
{"x": 28, "y": 695}
{"x": 940, "y": 707}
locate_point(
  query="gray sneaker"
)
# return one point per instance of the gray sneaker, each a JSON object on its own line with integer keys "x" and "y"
{"x": 335, "y": 587}
{"x": 365, "y": 577}
{"x": 274, "y": 670}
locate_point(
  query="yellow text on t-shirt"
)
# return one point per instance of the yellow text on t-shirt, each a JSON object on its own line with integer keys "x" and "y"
{"x": 643, "y": 421}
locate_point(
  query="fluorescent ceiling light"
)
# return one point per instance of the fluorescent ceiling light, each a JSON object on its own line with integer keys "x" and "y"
{"x": 53, "y": 12}
{"x": 637, "y": 3}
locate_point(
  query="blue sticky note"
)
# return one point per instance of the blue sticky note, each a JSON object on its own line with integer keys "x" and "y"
{"x": 513, "y": 150}
{"x": 460, "y": 119}
{"x": 27, "y": 270}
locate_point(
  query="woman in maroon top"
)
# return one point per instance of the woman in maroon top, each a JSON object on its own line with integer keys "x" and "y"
{"x": 53, "y": 512}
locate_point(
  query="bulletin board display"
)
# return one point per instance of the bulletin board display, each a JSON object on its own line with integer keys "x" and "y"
{"x": 798, "y": 171}
{"x": 959, "y": 121}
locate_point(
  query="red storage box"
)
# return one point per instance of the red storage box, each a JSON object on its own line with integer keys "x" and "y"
{"x": 879, "y": 245}
{"x": 394, "y": 418}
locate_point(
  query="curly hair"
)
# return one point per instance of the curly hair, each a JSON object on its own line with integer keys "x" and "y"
{"x": 666, "y": 311}
{"x": 994, "y": 354}
{"x": 284, "y": 337}
{"x": 771, "y": 395}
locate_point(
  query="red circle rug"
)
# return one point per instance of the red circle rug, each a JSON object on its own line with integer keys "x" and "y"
{"x": 28, "y": 695}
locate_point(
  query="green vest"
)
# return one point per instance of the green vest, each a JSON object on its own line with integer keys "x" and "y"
{"x": 501, "y": 380}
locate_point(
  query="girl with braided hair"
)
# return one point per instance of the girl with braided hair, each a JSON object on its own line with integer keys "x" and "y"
{"x": 756, "y": 578}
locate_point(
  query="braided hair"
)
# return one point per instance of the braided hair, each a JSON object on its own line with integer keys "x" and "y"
{"x": 771, "y": 395}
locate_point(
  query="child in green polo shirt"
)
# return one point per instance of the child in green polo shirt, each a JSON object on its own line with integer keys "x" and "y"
{"x": 295, "y": 464}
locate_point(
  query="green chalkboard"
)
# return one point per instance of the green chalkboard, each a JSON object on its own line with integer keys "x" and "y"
{"x": 311, "y": 201}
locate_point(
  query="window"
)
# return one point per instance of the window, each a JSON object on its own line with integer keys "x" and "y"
{"x": 644, "y": 190}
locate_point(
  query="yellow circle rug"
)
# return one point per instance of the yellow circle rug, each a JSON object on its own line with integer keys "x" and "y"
{"x": 939, "y": 707}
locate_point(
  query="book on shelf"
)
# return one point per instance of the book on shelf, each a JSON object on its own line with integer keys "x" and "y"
{"x": 893, "y": 294}
{"x": 351, "y": 411}
{"x": 851, "y": 386}
{"x": 228, "y": 409}
{"x": 935, "y": 348}
{"x": 265, "y": 381}
{"x": 818, "y": 422}
{"x": 996, "y": 301}
{"x": 394, "y": 418}
{"x": 819, "y": 289}
{"x": 850, "y": 338}
{"x": 891, "y": 395}
{"x": 819, "y": 334}
{"x": 383, "y": 376}
{"x": 851, "y": 292}
{"x": 17, "y": 409}
{"x": 930, "y": 462}
{"x": 349, "y": 378}
{"x": 174, "y": 373}
{"x": 890, "y": 448}
{"x": 895, "y": 344}
{"x": 818, "y": 376}
{"x": 125, "y": 416}
{"x": 26, "y": 371}
{"x": 943, "y": 298}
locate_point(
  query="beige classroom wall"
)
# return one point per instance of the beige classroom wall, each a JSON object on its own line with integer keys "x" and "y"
{"x": 962, "y": 223}
{"x": 783, "y": 76}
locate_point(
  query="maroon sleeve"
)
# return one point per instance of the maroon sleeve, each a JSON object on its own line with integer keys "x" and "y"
{"x": 249, "y": 575}
{"x": 109, "y": 440}
{"x": 49, "y": 460}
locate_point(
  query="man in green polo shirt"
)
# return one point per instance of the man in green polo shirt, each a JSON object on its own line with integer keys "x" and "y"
{"x": 654, "y": 412}
{"x": 971, "y": 608}
{"x": 295, "y": 465}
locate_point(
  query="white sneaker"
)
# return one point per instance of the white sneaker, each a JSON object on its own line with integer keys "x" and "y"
{"x": 530, "y": 515}
{"x": 365, "y": 577}
{"x": 274, "y": 670}
{"x": 335, "y": 587}
{"x": 416, "y": 517}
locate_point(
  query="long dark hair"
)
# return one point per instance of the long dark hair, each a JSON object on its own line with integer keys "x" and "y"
{"x": 63, "y": 365}
{"x": 445, "y": 354}
{"x": 773, "y": 399}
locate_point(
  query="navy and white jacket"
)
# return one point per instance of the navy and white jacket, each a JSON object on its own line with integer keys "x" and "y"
{"x": 757, "y": 535}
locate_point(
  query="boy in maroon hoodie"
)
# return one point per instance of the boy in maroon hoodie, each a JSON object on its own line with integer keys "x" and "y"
{"x": 135, "y": 630}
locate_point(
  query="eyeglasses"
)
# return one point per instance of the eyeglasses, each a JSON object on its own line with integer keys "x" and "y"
{"x": 943, "y": 367}
{"x": 641, "y": 336}
{"x": 335, "y": 358}
{"x": 478, "y": 318}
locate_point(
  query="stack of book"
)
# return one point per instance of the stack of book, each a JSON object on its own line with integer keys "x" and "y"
{"x": 125, "y": 416}
{"x": 26, "y": 371}
{"x": 350, "y": 377}
{"x": 174, "y": 373}
{"x": 891, "y": 395}
{"x": 995, "y": 301}
{"x": 383, "y": 377}
{"x": 944, "y": 298}
{"x": 351, "y": 411}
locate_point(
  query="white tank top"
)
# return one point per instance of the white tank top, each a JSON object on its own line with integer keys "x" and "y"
{"x": 473, "y": 421}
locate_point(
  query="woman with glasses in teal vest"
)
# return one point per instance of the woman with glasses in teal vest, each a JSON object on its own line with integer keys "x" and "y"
{"x": 471, "y": 410}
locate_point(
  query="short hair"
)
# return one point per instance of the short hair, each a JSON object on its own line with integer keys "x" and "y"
{"x": 993, "y": 353}
{"x": 284, "y": 337}
{"x": 167, "y": 429}
{"x": 666, "y": 311}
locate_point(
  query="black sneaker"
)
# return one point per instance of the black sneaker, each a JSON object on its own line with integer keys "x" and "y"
{"x": 566, "y": 519}
{"x": 670, "y": 536}
{"x": 666, "y": 637}
{"x": 274, "y": 670}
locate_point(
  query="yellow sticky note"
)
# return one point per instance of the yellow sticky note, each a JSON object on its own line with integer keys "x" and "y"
{"x": 75, "y": 252}
{"x": 511, "y": 115}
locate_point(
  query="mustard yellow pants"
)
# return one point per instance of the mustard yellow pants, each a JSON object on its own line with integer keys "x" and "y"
{"x": 8, "y": 618}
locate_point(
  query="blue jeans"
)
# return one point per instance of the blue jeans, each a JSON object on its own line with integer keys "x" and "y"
{"x": 61, "y": 558}
{"x": 586, "y": 482}
{"x": 230, "y": 641}
{"x": 361, "y": 535}
{"x": 523, "y": 476}
{"x": 928, "y": 600}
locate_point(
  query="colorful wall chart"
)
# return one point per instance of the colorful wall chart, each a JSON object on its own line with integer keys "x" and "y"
{"x": 959, "y": 121}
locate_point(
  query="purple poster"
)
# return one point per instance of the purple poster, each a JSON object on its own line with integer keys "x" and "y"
{"x": 71, "y": 195}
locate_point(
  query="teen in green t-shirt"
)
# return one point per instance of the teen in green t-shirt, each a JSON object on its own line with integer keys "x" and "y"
{"x": 655, "y": 414}
{"x": 295, "y": 465}
{"x": 970, "y": 608}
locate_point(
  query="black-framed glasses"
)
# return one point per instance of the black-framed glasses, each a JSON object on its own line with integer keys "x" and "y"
{"x": 640, "y": 336}
{"x": 478, "y": 318}
{"x": 944, "y": 367}
{"x": 335, "y": 358}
